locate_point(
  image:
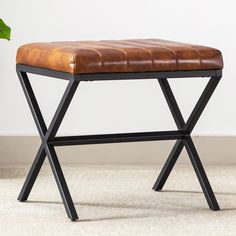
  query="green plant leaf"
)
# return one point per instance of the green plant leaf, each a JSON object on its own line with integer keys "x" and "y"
{"x": 5, "y": 31}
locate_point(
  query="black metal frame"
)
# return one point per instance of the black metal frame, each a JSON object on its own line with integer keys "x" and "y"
{"x": 49, "y": 139}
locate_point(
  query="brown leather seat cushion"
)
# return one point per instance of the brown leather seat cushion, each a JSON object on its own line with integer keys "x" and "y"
{"x": 140, "y": 55}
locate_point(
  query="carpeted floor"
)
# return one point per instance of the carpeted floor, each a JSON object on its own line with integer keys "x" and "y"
{"x": 119, "y": 200}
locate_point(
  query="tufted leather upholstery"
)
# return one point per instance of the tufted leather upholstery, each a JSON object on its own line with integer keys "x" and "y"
{"x": 138, "y": 55}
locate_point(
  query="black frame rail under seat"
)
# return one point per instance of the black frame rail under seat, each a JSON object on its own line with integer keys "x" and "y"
{"x": 182, "y": 135}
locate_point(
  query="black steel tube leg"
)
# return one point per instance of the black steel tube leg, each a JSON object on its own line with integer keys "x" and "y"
{"x": 61, "y": 182}
{"x": 32, "y": 175}
{"x": 178, "y": 147}
{"x": 49, "y": 139}
{"x": 200, "y": 172}
{"x": 167, "y": 168}
{"x": 46, "y": 135}
{"x": 61, "y": 110}
{"x": 201, "y": 104}
{"x": 173, "y": 105}
{"x": 33, "y": 104}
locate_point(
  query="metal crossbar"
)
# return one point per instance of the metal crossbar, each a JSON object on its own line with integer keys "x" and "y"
{"x": 49, "y": 139}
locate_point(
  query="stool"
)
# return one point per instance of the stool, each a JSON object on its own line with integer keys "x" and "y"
{"x": 117, "y": 60}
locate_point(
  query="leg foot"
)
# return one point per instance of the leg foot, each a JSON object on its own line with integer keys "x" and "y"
{"x": 200, "y": 172}
{"x": 61, "y": 182}
{"x": 178, "y": 147}
{"x": 32, "y": 175}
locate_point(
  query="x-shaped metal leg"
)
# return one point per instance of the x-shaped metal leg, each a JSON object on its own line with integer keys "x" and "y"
{"x": 49, "y": 140}
{"x": 45, "y": 148}
{"x": 187, "y": 140}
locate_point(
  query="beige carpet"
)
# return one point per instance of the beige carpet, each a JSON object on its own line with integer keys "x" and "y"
{"x": 119, "y": 200}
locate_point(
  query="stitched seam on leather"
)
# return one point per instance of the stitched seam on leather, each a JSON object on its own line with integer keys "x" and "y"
{"x": 164, "y": 47}
{"x": 105, "y": 44}
{"x": 184, "y": 46}
{"x": 73, "y": 57}
{"x": 101, "y": 59}
{"x": 147, "y": 42}
{"x": 89, "y": 48}
{"x": 74, "y": 62}
{"x": 114, "y": 45}
{"x": 115, "y": 49}
{"x": 199, "y": 54}
{"x": 145, "y": 49}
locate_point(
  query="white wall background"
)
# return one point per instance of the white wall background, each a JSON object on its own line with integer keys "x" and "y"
{"x": 102, "y": 107}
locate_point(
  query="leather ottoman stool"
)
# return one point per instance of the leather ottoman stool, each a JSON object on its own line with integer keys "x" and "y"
{"x": 117, "y": 60}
